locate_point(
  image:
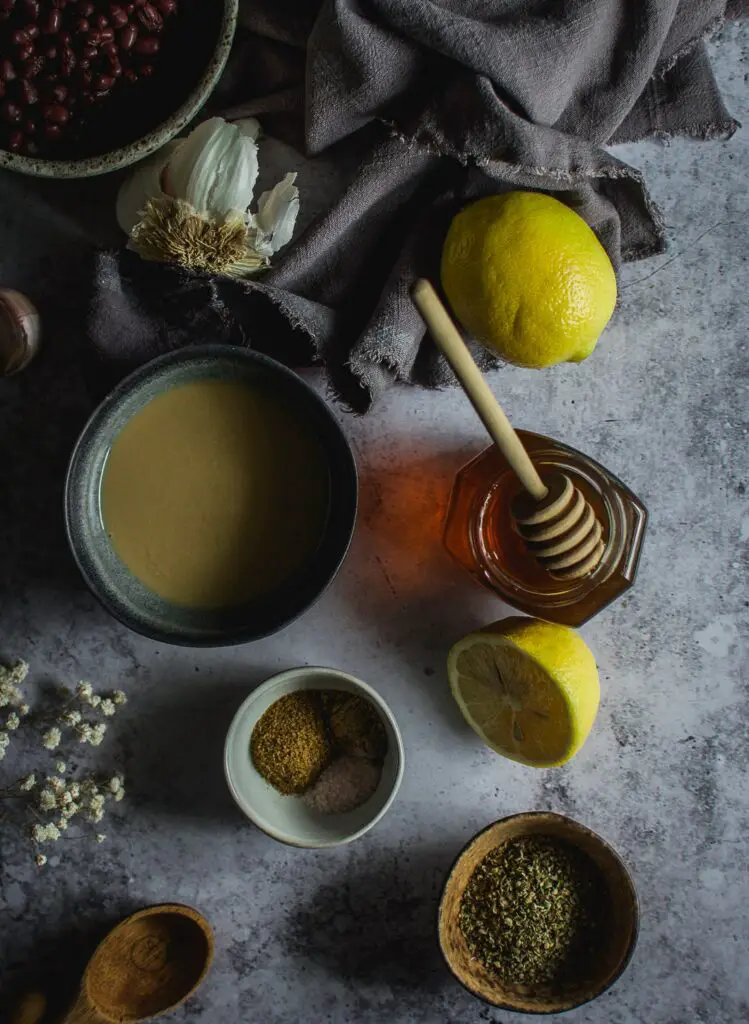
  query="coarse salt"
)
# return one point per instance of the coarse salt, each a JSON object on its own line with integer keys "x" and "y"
{"x": 344, "y": 785}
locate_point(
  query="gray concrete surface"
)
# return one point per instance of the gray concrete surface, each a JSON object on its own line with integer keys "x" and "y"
{"x": 348, "y": 936}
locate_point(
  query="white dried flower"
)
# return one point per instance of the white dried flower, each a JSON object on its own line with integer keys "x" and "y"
{"x": 51, "y": 738}
{"x": 61, "y": 767}
{"x": 40, "y": 859}
{"x": 96, "y": 816}
{"x": 84, "y": 691}
{"x": 4, "y": 739}
{"x": 27, "y": 783}
{"x": 58, "y": 785}
{"x": 72, "y": 718}
{"x": 75, "y": 790}
{"x": 85, "y": 732}
{"x": 66, "y": 797}
{"x": 70, "y": 810}
{"x": 115, "y": 783}
{"x": 53, "y": 832}
{"x": 108, "y": 707}
{"x": 119, "y": 697}
{"x": 39, "y": 833}
{"x": 47, "y": 800}
{"x": 62, "y": 824}
{"x": 94, "y": 700}
{"x": 100, "y": 837}
{"x": 13, "y": 721}
{"x": 119, "y": 795}
{"x": 2, "y": 753}
{"x": 97, "y": 734}
{"x": 23, "y": 710}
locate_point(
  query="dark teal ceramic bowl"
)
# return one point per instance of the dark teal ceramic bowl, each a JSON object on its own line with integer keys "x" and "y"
{"x": 118, "y": 589}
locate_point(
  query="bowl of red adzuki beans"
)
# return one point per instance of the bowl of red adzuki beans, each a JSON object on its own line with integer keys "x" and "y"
{"x": 88, "y": 86}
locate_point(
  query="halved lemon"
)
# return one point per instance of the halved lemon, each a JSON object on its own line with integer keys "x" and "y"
{"x": 529, "y": 689}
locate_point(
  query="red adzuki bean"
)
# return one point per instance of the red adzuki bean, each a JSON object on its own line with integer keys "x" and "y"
{"x": 117, "y": 16}
{"x": 68, "y": 62}
{"x": 10, "y": 111}
{"x": 32, "y": 31}
{"x": 52, "y": 131}
{"x": 15, "y": 141}
{"x": 19, "y": 38}
{"x": 150, "y": 18}
{"x": 56, "y": 113}
{"x": 27, "y": 91}
{"x": 147, "y": 46}
{"x": 127, "y": 37}
{"x": 106, "y": 35}
{"x": 165, "y": 7}
{"x": 7, "y": 71}
{"x": 52, "y": 22}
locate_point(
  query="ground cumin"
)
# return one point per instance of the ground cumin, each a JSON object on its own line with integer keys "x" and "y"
{"x": 355, "y": 726}
{"x": 289, "y": 744}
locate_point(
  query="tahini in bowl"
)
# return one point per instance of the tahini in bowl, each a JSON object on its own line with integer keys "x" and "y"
{"x": 119, "y": 589}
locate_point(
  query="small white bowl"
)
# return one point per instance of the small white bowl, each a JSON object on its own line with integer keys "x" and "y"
{"x": 287, "y": 818}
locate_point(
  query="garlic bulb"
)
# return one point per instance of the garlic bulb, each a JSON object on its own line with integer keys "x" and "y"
{"x": 190, "y": 203}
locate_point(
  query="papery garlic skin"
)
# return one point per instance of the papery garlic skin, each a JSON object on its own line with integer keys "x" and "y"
{"x": 276, "y": 216}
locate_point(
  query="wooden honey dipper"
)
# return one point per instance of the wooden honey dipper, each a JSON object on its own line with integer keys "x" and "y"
{"x": 554, "y": 518}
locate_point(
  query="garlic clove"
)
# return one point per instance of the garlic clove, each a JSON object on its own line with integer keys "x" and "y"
{"x": 276, "y": 216}
{"x": 215, "y": 170}
{"x": 144, "y": 183}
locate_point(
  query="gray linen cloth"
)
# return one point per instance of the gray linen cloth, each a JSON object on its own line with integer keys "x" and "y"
{"x": 432, "y": 103}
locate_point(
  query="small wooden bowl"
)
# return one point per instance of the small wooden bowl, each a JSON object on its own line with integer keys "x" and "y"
{"x": 614, "y": 957}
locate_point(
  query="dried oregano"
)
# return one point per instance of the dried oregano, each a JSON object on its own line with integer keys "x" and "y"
{"x": 534, "y": 910}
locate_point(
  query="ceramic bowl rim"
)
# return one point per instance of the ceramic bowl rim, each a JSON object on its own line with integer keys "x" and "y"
{"x": 233, "y": 737}
{"x": 125, "y": 387}
{"x": 139, "y": 149}
{"x": 620, "y": 863}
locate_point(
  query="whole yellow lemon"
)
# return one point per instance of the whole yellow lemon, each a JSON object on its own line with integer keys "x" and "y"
{"x": 528, "y": 278}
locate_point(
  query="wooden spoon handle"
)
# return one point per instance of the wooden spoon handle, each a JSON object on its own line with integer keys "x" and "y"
{"x": 30, "y": 1009}
{"x": 82, "y": 1012}
{"x": 446, "y": 334}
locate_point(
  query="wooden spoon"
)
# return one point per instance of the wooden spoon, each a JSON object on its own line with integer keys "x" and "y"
{"x": 557, "y": 523}
{"x": 149, "y": 964}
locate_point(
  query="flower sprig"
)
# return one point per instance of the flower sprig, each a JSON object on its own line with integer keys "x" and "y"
{"x": 50, "y": 802}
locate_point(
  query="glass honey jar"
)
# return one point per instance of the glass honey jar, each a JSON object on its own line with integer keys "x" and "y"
{"x": 481, "y": 534}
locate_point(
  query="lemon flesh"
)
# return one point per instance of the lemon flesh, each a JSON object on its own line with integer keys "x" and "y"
{"x": 530, "y": 689}
{"x": 528, "y": 278}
